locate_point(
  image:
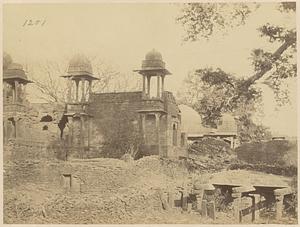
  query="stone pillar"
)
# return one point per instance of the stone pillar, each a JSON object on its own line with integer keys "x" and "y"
{"x": 255, "y": 206}
{"x": 157, "y": 116}
{"x": 5, "y": 136}
{"x": 90, "y": 88}
{"x": 204, "y": 208}
{"x": 4, "y": 91}
{"x": 13, "y": 93}
{"x": 232, "y": 142}
{"x": 71, "y": 131}
{"x": 236, "y": 206}
{"x": 171, "y": 199}
{"x": 82, "y": 131}
{"x": 148, "y": 85}
{"x": 158, "y": 86}
{"x": 211, "y": 210}
{"x": 162, "y": 84}
{"x": 82, "y": 90}
{"x": 199, "y": 197}
{"x": 89, "y": 131}
{"x": 143, "y": 116}
{"x": 144, "y": 83}
{"x": 279, "y": 206}
{"x": 69, "y": 95}
{"x": 16, "y": 91}
{"x": 77, "y": 87}
{"x": 184, "y": 200}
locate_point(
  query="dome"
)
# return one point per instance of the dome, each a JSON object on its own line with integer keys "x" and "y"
{"x": 15, "y": 66}
{"x": 153, "y": 60}
{"x": 15, "y": 71}
{"x": 80, "y": 65}
{"x": 7, "y": 60}
{"x": 153, "y": 55}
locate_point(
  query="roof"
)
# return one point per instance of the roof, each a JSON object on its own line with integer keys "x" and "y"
{"x": 14, "y": 71}
{"x": 192, "y": 124}
{"x": 80, "y": 67}
{"x": 153, "y": 64}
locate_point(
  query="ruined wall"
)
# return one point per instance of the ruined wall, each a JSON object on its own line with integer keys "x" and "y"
{"x": 107, "y": 108}
{"x": 31, "y": 133}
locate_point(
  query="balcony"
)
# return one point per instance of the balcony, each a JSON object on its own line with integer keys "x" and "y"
{"x": 14, "y": 107}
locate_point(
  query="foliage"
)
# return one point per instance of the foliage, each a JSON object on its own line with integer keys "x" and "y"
{"x": 204, "y": 19}
{"x": 121, "y": 136}
{"x": 270, "y": 152}
{"x": 213, "y": 92}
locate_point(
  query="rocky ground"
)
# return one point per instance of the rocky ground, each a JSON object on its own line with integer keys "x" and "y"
{"x": 132, "y": 194}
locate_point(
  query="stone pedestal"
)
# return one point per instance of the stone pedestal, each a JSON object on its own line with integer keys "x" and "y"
{"x": 236, "y": 206}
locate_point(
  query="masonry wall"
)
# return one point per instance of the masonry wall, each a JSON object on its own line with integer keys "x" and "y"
{"x": 105, "y": 108}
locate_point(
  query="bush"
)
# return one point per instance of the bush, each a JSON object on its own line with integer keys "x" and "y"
{"x": 275, "y": 152}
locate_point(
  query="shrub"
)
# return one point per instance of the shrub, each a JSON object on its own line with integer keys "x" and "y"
{"x": 276, "y": 152}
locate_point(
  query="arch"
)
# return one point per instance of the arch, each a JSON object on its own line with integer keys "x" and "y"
{"x": 174, "y": 135}
{"x": 45, "y": 127}
{"x": 62, "y": 124}
{"x": 46, "y": 118}
{"x": 13, "y": 123}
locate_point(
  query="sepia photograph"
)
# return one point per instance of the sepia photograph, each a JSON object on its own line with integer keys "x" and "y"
{"x": 149, "y": 112}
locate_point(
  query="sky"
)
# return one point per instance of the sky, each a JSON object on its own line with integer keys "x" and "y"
{"x": 121, "y": 34}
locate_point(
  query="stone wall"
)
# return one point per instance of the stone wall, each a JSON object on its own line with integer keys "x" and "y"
{"x": 106, "y": 107}
{"x": 21, "y": 149}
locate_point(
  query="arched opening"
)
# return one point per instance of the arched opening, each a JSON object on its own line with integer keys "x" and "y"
{"x": 13, "y": 124}
{"x": 45, "y": 127}
{"x": 174, "y": 135}
{"x": 46, "y": 118}
{"x": 62, "y": 124}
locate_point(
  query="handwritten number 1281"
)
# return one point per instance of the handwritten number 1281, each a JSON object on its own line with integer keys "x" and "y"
{"x": 34, "y": 23}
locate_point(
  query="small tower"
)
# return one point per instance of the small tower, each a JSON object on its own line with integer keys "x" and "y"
{"x": 79, "y": 75}
{"x": 153, "y": 66}
{"x": 14, "y": 100}
{"x": 14, "y": 82}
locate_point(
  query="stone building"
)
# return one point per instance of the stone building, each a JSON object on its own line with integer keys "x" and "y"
{"x": 81, "y": 125}
{"x": 156, "y": 118}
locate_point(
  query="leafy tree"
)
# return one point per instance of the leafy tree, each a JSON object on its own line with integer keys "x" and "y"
{"x": 212, "y": 91}
{"x": 121, "y": 135}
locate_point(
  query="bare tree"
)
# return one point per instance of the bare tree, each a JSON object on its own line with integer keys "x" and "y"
{"x": 53, "y": 88}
